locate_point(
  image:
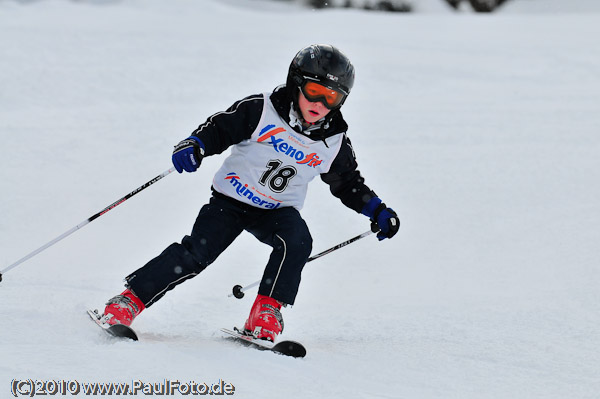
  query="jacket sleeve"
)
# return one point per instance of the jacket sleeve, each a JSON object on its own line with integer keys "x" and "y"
{"x": 236, "y": 124}
{"x": 345, "y": 181}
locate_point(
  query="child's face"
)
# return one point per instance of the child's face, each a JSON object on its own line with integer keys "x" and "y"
{"x": 311, "y": 112}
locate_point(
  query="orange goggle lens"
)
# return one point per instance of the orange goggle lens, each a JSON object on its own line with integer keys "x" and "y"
{"x": 316, "y": 92}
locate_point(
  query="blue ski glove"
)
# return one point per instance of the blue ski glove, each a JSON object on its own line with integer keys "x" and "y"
{"x": 383, "y": 219}
{"x": 188, "y": 154}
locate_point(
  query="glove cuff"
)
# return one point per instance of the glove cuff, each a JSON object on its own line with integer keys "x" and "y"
{"x": 200, "y": 143}
{"x": 371, "y": 207}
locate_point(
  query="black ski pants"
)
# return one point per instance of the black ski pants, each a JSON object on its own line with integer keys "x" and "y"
{"x": 217, "y": 226}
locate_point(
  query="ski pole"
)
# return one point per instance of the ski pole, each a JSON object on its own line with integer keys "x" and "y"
{"x": 238, "y": 290}
{"x": 85, "y": 222}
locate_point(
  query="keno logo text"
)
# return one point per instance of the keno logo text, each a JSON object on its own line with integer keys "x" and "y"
{"x": 269, "y": 132}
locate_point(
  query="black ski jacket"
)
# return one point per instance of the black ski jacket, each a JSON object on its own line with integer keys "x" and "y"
{"x": 224, "y": 129}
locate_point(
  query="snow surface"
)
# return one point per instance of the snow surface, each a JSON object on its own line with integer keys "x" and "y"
{"x": 482, "y": 131}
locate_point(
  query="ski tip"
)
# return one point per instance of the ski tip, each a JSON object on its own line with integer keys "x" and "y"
{"x": 290, "y": 348}
{"x": 122, "y": 331}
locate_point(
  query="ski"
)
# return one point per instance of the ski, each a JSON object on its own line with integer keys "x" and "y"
{"x": 117, "y": 330}
{"x": 287, "y": 348}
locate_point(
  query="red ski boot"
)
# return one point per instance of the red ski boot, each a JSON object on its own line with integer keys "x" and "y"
{"x": 122, "y": 309}
{"x": 265, "y": 320}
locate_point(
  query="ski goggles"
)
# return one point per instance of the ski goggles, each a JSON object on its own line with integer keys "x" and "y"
{"x": 316, "y": 92}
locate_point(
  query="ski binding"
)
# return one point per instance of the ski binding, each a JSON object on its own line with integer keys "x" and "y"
{"x": 287, "y": 348}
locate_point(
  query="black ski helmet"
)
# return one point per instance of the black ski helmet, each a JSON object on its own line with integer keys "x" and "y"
{"x": 324, "y": 64}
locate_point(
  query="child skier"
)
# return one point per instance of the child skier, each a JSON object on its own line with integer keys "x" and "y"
{"x": 279, "y": 142}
